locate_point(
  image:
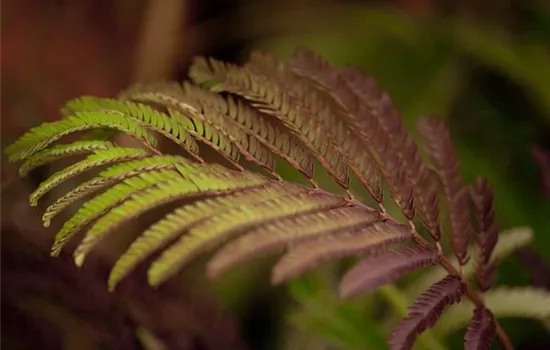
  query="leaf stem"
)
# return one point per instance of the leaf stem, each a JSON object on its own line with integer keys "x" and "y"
{"x": 470, "y": 291}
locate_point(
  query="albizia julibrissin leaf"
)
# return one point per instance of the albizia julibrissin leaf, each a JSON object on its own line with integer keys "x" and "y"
{"x": 220, "y": 228}
{"x": 275, "y": 235}
{"x": 481, "y": 330}
{"x": 267, "y": 95}
{"x": 389, "y": 143}
{"x": 440, "y": 148}
{"x": 373, "y": 272}
{"x": 143, "y": 115}
{"x": 45, "y": 134}
{"x": 59, "y": 152}
{"x": 304, "y": 256}
{"x": 487, "y": 232}
{"x": 196, "y": 184}
{"x": 182, "y": 219}
{"x": 352, "y": 142}
{"x": 108, "y": 178}
{"x": 426, "y": 310}
{"x": 98, "y": 159}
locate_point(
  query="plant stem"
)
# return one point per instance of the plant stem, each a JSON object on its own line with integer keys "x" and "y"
{"x": 470, "y": 290}
{"x": 478, "y": 301}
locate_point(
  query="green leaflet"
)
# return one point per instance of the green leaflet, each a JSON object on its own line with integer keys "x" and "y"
{"x": 45, "y": 134}
{"x": 109, "y": 177}
{"x": 207, "y": 134}
{"x": 248, "y": 145}
{"x": 525, "y": 302}
{"x": 100, "y": 204}
{"x": 508, "y": 242}
{"x": 180, "y": 220}
{"x": 256, "y": 125}
{"x": 218, "y": 229}
{"x": 200, "y": 183}
{"x": 172, "y": 96}
{"x": 58, "y": 152}
{"x": 97, "y": 159}
{"x": 145, "y": 115}
{"x": 289, "y": 230}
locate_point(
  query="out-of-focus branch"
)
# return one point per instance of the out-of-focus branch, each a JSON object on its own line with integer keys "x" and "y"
{"x": 160, "y": 37}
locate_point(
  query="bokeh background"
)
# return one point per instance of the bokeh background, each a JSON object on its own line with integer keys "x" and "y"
{"x": 484, "y": 66}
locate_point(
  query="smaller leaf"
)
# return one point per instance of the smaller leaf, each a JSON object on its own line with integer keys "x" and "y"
{"x": 220, "y": 228}
{"x": 102, "y": 203}
{"x": 440, "y": 147}
{"x": 487, "y": 233}
{"x": 45, "y": 134}
{"x": 98, "y": 159}
{"x": 145, "y": 115}
{"x": 374, "y": 238}
{"x": 180, "y": 220}
{"x": 426, "y": 310}
{"x": 112, "y": 175}
{"x": 283, "y": 232}
{"x": 201, "y": 183}
{"x": 58, "y": 152}
{"x": 481, "y": 330}
{"x": 386, "y": 268}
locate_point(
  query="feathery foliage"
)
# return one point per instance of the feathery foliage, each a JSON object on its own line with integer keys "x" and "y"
{"x": 481, "y": 330}
{"x": 426, "y": 310}
{"x": 440, "y": 148}
{"x": 386, "y": 268}
{"x": 487, "y": 233}
{"x": 301, "y": 110}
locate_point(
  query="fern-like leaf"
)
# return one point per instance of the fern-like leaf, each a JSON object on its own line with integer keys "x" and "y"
{"x": 59, "y": 152}
{"x": 45, "y": 134}
{"x": 97, "y": 159}
{"x": 220, "y": 228}
{"x": 389, "y": 144}
{"x": 440, "y": 148}
{"x": 352, "y": 142}
{"x": 426, "y": 310}
{"x": 205, "y": 105}
{"x": 487, "y": 233}
{"x": 146, "y": 116}
{"x": 193, "y": 184}
{"x": 386, "y": 268}
{"x": 271, "y": 99}
{"x": 316, "y": 114}
{"x": 109, "y": 177}
{"x": 209, "y": 135}
{"x": 270, "y": 237}
{"x": 374, "y": 238}
{"x": 302, "y": 110}
{"x": 351, "y": 89}
{"x": 102, "y": 203}
{"x": 181, "y": 219}
{"x": 481, "y": 330}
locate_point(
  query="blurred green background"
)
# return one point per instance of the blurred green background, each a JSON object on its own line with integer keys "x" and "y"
{"x": 482, "y": 65}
